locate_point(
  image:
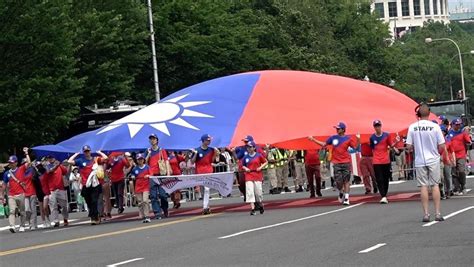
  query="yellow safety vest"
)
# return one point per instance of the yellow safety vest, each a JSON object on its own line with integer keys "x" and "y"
{"x": 281, "y": 158}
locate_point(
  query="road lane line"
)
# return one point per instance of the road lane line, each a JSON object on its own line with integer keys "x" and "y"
{"x": 68, "y": 241}
{"x": 288, "y": 222}
{"x": 449, "y": 216}
{"x": 124, "y": 262}
{"x": 372, "y": 248}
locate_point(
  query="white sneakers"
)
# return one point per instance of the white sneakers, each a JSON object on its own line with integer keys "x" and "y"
{"x": 22, "y": 229}
{"x": 384, "y": 200}
{"x": 346, "y": 202}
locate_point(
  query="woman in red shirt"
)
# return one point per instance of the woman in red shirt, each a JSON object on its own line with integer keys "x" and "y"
{"x": 252, "y": 164}
{"x": 175, "y": 159}
{"x": 141, "y": 173}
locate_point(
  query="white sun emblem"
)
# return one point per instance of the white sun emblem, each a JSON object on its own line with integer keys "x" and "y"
{"x": 335, "y": 142}
{"x": 375, "y": 142}
{"x": 158, "y": 114}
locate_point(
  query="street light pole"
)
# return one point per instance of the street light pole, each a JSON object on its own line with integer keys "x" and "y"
{"x": 450, "y": 85}
{"x": 429, "y": 40}
{"x": 153, "y": 52}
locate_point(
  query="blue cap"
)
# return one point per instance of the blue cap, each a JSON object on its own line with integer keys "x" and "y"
{"x": 376, "y": 122}
{"x": 152, "y": 136}
{"x": 205, "y": 137}
{"x": 441, "y": 117}
{"x": 251, "y": 144}
{"x": 86, "y": 148}
{"x": 247, "y": 138}
{"x": 457, "y": 121}
{"x": 12, "y": 159}
{"x": 340, "y": 125}
{"x": 140, "y": 156}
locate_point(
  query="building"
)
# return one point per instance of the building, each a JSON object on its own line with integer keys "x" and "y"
{"x": 466, "y": 17}
{"x": 404, "y": 16}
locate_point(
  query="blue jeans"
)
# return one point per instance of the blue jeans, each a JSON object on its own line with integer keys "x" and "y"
{"x": 157, "y": 192}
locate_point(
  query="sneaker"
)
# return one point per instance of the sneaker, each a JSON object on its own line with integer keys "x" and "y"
{"x": 109, "y": 216}
{"x": 376, "y": 190}
{"x": 261, "y": 209}
{"x": 206, "y": 211}
{"x": 56, "y": 224}
{"x": 367, "y": 192}
{"x": 457, "y": 193}
{"x": 146, "y": 220}
{"x": 158, "y": 218}
{"x": 22, "y": 229}
{"x": 166, "y": 214}
{"x": 66, "y": 223}
{"x": 299, "y": 190}
{"x": 12, "y": 229}
{"x": 346, "y": 202}
{"x": 47, "y": 224}
{"x": 287, "y": 190}
{"x": 312, "y": 196}
{"x": 439, "y": 218}
{"x": 426, "y": 218}
{"x": 323, "y": 185}
{"x": 33, "y": 228}
{"x": 384, "y": 200}
{"x": 319, "y": 194}
{"x": 340, "y": 198}
{"x": 443, "y": 197}
{"x": 252, "y": 212}
{"x": 120, "y": 211}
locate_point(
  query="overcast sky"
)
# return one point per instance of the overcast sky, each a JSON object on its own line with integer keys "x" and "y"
{"x": 466, "y": 3}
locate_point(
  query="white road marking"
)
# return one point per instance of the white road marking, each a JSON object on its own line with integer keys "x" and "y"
{"x": 40, "y": 226}
{"x": 288, "y": 222}
{"x": 449, "y": 216}
{"x": 124, "y": 262}
{"x": 60, "y": 229}
{"x": 373, "y": 248}
{"x": 470, "y": 177}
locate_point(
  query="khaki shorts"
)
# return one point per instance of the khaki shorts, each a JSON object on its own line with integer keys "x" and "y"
{"x": 253, "y": 191}
{"x": 401, "y": 159}
{"x": 428, "y": 175}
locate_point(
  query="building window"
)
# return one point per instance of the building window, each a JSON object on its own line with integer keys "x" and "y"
{"x": 379, "y": 10}
{"x": 392, "y": 9}
{"x": 405, "y": 8}
{"x": 416, "y": 7}
{"x": 435, "y": 7}
{"x": 427, "y": 7}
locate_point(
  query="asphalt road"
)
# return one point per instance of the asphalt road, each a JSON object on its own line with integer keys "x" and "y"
{"x": 293, "y": 231}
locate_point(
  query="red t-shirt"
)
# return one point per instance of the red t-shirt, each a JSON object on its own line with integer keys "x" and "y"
{"x": 55, "y": 178}
{"x": 449, "y": 155}
{"x": 311, "y": 157}
{"x": 117, "y": 164}
{"x": 142, "y": 184}
{"x": 44, "y": 185}
{"x": 85, "y": 167}
{"x": 174, "y": 163}
{"x": 30, "y": 188}
{"x": 458, "y": 140}
{"x": 341, "y": 144}
{"x": 366, "y": 150}
{"x": 204, "y": 160}
{"x": 14, "y": 187}
{"x": 253, "y": 163}
{"x": 155, "y": 156}
{"x": 380, "y": 148}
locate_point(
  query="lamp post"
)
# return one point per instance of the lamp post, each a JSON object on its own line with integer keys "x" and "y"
{"x": 429, "y": 40}
{"x": 450, "y": 85}
{"x": 153, "y": 52}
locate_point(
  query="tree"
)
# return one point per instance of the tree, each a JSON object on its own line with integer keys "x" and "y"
{"x": 37, "y": 72}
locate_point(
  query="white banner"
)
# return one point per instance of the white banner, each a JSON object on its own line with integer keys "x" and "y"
{"x": 221, "y": 181}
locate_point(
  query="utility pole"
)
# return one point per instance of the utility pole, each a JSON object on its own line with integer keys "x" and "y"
{"x": 153, "y": 52}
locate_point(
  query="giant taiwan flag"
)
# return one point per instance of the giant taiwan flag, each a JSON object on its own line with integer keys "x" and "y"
{"x": 276, "y": 107}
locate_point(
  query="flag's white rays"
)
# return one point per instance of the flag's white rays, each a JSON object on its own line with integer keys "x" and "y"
{"x": 161, "y": 127}
{"x": 183, "y": 123}
{"x": 192, "y": 113}
{"x": 176, "y": 99}
{"x": 108, "y": 128}
{"x": 194, "y": 103}
{"x": 134, "y": 128}
{"x": 159, "y": 114}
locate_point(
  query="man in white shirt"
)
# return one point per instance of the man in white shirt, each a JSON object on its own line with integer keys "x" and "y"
{"x": 427, "y": 140}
